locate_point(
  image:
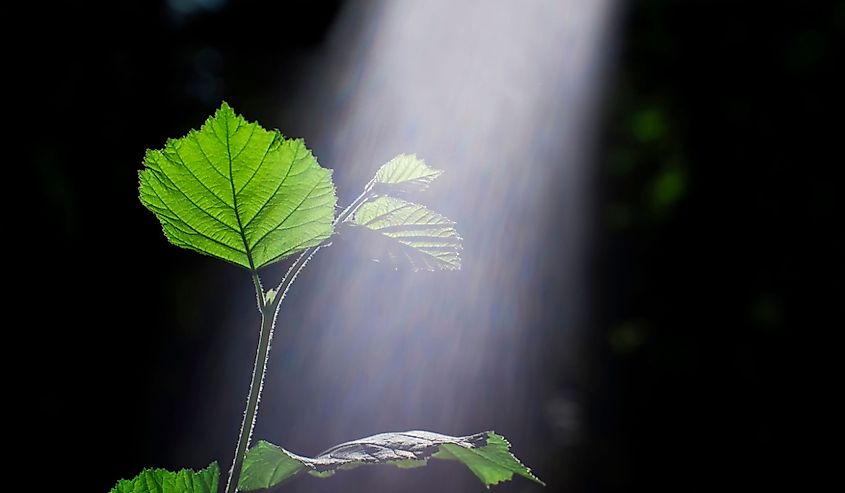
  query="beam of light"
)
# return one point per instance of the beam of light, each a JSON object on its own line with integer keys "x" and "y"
{"x": 503, "y": 96}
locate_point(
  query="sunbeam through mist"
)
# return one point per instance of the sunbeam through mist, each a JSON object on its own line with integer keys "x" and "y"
{"x": 503, "y": 98}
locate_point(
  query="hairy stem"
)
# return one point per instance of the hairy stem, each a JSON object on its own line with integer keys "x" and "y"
{"x": 255, "y": 386}
{"x": 269, "y": 311}
{"x": 259, "y": 291}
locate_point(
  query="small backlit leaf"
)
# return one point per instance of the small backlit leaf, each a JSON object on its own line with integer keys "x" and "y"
{"x": 405, "y": 233}
{"x": 406, "y": 172}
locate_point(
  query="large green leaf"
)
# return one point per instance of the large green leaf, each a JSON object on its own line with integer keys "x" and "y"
{"x": 406, "y": 172}
{"x": 164, "y": 481}
{"x": 485, "y": 454}
{"x": 408, "y": 233}
{"x": 238, "y": 192}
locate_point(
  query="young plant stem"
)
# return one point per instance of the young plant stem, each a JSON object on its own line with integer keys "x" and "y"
{"x": 255, "y": 386}
{"x": 269, "y": 309}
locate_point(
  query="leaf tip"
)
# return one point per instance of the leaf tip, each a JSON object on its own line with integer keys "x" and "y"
{"x": 522, "y": 469}
{"x": 225, "y": 112}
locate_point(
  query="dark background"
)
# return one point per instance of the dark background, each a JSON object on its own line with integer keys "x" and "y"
{"x": 715, "y": 252}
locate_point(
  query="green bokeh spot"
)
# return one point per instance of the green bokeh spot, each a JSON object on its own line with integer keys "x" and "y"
{"x": 649, "y": 125}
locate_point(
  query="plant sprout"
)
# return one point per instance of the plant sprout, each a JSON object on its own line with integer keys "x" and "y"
{"x": 251, "y": 197}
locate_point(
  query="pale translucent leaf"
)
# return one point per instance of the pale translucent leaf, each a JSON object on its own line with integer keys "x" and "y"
{"x": 405, "y": 233}
{"x": 406, "y": 172}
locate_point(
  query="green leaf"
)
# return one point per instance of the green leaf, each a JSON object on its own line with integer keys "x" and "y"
{"x": 406, "y": 232}
{"x": 238, "y": 192}
{"x": 492, "y": 463}
{"x": 164, "y": 481}
{"x": 485, "y": 454}
{"x": 406, "y": 172}
{"x": 267, "y": 465}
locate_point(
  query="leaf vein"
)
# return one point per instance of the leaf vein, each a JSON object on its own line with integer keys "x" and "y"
{"x": 287, "y": 216}
{"x": 278, "y": 187}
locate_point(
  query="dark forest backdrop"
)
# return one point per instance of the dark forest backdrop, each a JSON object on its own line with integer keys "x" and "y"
{"x": 714, "y": 258}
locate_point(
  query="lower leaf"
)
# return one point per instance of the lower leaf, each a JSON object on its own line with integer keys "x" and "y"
{"x": 486, "y": 454}
{"x": 164, "y": 481}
